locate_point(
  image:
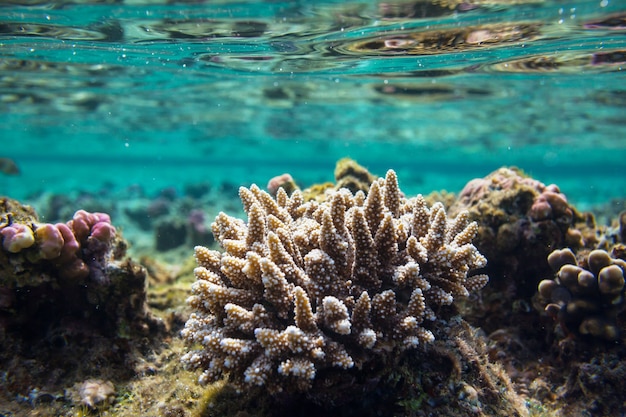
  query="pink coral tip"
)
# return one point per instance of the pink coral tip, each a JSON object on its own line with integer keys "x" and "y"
{"x": 70, "y": 245}
{"x": 80, "y": 228}
{"x": 102, "y": 217}
{"x": 17, "y": 237}
{"x": 50, "y": 241}
{"x": 275, "y": 183}
{"x": 102, "y": 231}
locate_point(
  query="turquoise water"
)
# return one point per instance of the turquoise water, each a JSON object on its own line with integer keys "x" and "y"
{"x": 97, "y": 95}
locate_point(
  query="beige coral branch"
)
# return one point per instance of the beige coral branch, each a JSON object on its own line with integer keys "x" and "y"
{"x": 305, "y": 287}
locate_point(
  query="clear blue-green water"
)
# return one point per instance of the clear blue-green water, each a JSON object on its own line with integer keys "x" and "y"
{"x": 160, "y": 94}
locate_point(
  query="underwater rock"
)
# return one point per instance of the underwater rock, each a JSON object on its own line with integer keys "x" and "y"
{"x": 520, "y": 221}
{"x": 72, "y": 289}
{"x": 9, "y": 167}
{"x": 353, "y": 176}
{"x": 307, "y": 296}
{"x": 20, "y": 213}
{"x": 172, "y": 232}
{"x": 95, "y": 393}
{"x": 169, "y": 233}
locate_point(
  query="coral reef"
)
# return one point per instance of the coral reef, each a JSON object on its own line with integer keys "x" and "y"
{"x": 310, "y": 295}
{"x": 71, "y": 251}
{"x": 453, "y": 376}
{"x": 581, "y": 366}
{"x": 613, "y": 236}
{"x": 80, "y": 340}
{"x": 585, "y": 299}
{"x": 169, "y": 233}
{"x": 349, "y": 174}
{"x": 353, "y": 176}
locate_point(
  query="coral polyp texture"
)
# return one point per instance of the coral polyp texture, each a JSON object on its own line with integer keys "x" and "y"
{"x": 74, "y": 249}
{"x": 305, "y": 290}
{"x": 585, "y": 297}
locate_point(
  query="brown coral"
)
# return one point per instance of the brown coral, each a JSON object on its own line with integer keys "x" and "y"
{"x": 313, "y": 288}
{"x": 585, "y": 299}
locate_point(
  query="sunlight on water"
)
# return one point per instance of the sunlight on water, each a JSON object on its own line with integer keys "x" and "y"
{"x": 443, "y": 91}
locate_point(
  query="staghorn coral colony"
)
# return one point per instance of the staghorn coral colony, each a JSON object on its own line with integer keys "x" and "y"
{"x": 307, "y": 290}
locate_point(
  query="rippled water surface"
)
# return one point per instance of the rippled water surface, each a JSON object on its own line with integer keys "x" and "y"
{"x": 159, "y": 94}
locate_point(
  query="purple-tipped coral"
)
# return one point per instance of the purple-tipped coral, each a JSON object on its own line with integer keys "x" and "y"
{"x": 585, "y": 299}
{"x": 97, "y": 225}
{"x": 72, "y": 247}
{"x": 306, "y": 291}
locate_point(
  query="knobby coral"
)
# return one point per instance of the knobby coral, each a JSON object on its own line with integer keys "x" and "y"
{"x": 305, "y": 289}
{"x": 587, "y": 297}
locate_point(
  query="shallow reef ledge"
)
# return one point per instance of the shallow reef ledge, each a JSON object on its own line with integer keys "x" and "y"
{"x": 347, "y": 298}
{"x": 72, "y": 304}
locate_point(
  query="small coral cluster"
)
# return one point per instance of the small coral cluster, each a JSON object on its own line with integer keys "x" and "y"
{"x": 72, "y": 305}
{"x": 348, "y": 174}
{"x": 305, "y": 289}
{"x": 60, "y": 243}
{"x": 585, "y": 299}
{"x": 515, "y": 210}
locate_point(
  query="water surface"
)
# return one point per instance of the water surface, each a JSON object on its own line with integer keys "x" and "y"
{"x": 111, "y": 94}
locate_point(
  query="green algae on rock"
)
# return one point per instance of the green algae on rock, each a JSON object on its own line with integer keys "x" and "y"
{"x": 520, "y": 221}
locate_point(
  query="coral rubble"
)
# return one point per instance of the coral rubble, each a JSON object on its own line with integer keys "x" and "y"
{"x": 306, "y": 292}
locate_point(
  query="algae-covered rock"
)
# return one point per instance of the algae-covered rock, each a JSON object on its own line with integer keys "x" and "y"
{"x": 72, "y": 305}
{"x": 521, "y": 220}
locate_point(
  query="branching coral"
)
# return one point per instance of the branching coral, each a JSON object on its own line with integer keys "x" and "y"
{"x": 585, "y": 299}
{"x": 305, "y": 289}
